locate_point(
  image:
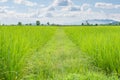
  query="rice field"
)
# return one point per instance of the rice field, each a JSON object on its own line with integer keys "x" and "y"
{"x": 101, "y": 44}
{"x": 59, "y": 53}
{"x": 17, "y": 45}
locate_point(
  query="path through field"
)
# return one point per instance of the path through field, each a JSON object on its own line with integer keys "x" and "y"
{"x": 59, "y": 57}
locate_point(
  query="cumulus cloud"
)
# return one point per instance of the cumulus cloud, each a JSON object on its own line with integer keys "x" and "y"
{"x": 85, "y": 7}
{"x": 106, "y": 5}
{"x": 6, "y": 13}
{"x": 115, "y": 16}
{"x": 3, "y": 0}
{"x": 69, "y": 10}
{"x": 61, "y": 6}
{"x": 62, "y": 3}
{"x": 60, "y": 11}
{"x": 25, "y": 2}
{"x": 3, "y": 9}
{"x": 49, "y": 8}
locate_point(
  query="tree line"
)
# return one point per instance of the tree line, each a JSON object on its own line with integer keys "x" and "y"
{"x": 82, "y": 24}
{"x": 38, "y": 23}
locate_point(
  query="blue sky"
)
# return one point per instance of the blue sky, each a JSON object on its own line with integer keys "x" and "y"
{"x": 57, "y": 11}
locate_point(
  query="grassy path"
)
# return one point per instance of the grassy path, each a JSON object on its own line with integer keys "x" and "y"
{"x": 57, "y": 59}
{"x": 60, "y": 59}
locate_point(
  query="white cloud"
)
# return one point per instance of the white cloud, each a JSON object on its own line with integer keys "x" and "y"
{"x": 3, "y": 0}
{"x": 71, "y": 8}
{"x": 117, "y": 6}
{"x": 72, "y": 12}
{"x": 25, "y": 2}
{"x": 62, "y": 3}
{"x": 6, "y": 13}
{"x": 58, "y": 12}
{"x": 3, "y": 9}
{"x": 106, "y": 5}
{"x": 114, "y": 16}
{"x": 49, "y": 8}
{"x": 85, "y": 7}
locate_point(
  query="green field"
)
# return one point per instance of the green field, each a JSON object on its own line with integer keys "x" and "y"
{"x": 60, "y": 53}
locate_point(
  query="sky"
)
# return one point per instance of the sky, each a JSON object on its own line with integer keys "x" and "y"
{"x": 57, "y": 11}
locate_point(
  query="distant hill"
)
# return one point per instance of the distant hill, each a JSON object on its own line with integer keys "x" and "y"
{"x": 102, "y": 21}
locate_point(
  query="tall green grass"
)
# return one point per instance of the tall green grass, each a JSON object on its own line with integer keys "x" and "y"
{"x": 17, "y": 44}
{"x": 22, "y": 59}
{"x": 102, "y": 44}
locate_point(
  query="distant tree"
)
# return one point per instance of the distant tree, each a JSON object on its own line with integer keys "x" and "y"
{"x": 110, "y": 24}
{"x": 19, "y": 23}
{"x": 91, "y": 24}
{"x": 37, "y": 23}
{"x": 12, "y": 24}
{"x": 53, "y": 24}
{"x": 82, "y": 24}
{"x": 119, "y": 23}
{"x": 30, "y": 24}
{"x": 48, "y": 23}
{"x": 26, "y": 24}
{"x": 87, "y": 23}
{"x": 96, "y": 24}
{"x": 42, "y": 24}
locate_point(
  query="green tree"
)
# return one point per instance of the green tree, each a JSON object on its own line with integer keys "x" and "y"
{"x": 96, "y": 24}
{"x": 19, "y": 23}
{"x": 119, "y": 23}
{"x": 87, "y": 23}
{"x": 82, "y": 24}
{"x": 48, "y": 23}
{"x": 37, "y": 23}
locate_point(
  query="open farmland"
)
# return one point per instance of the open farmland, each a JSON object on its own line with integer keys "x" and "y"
{"x": 17, "y": 45}
{"x": 60, "y": 53}
{"x": 102, "y": 44}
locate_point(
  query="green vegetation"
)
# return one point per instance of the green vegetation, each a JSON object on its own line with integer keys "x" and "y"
{"x": 102, "y": 44}
{"x": 17, "y": 44}
{"x": 19, "y": 24}
{"x": 37, "y": 23}
{"x": 59, "y": 53}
